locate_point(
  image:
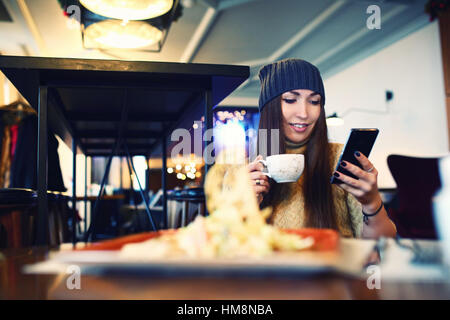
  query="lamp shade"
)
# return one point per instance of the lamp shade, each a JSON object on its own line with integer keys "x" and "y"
{"x": 123, "y": 35}
{"x": 334, "y": 120}
{"x": 128, "y": 9}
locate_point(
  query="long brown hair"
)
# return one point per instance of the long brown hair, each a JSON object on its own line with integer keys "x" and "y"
{"x": 317, "y": 192}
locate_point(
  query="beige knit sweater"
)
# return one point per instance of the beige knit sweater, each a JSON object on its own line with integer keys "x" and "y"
{"x": 288, "y": 202}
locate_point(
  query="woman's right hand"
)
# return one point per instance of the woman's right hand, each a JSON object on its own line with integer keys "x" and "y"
{"x": 260, "y": 181}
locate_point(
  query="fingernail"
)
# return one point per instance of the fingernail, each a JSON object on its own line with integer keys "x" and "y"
{"x": 343, "y": 164}
{"x": 336, "y": 175}
{"x": 357, "y": 153}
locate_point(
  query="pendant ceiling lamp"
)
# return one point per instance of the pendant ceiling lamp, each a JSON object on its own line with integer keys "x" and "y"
{"x": 123, "y": 35}
{"x": 124, "y": 24}
{"x": 128, "y": 9}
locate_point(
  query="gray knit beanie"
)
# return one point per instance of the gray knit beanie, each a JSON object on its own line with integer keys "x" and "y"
{"x": 289, "y": 74}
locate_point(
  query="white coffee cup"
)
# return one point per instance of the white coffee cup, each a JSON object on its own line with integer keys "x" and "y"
{"x": 284, "y": 167}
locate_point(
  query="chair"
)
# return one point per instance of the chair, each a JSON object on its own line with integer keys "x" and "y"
{"x": 16, "y": 216}
{"x": 65, "y": 217}
{"x": 184, "y": 205}
{"x": 53, "y": 221}
{"x": 59, "y": 218}
{"x": 417, "y": 181}
{"x": 195, "y": 199}
{"x": 174, "y": 209}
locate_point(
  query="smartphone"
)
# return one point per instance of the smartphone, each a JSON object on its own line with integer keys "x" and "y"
{"x": 361, "y": 140}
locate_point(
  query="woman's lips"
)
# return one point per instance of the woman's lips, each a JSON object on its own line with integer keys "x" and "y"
{"x": 298, "y": 129}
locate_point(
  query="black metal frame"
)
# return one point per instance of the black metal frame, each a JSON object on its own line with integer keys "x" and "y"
{"x": 74, "y": 191}
{"x": 39, "y": 78}
{"x": 42, "y": 182}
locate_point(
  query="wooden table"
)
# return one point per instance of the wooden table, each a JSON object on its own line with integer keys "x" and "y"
{"x": 16, "y": 285}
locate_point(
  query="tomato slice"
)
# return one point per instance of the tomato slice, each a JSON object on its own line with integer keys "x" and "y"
{"x": 324, "y": 239}
{"x": 118, "y": 243}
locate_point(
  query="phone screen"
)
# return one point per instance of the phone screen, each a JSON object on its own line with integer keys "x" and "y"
{"x": 361, "y": 140}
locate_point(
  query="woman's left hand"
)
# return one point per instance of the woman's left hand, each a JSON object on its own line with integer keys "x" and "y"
{"x": 365, "y": 190}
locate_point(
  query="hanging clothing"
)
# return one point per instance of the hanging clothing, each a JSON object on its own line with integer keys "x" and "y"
{"x": 14, "y": 132}
{"x": 24, "y": 164}
{"x": 5, "y": 159}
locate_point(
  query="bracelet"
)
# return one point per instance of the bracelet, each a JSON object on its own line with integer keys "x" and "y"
{"x": 368, "y": 215}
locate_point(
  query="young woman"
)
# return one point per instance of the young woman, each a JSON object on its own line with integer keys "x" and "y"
{"x": 292, "y": 100}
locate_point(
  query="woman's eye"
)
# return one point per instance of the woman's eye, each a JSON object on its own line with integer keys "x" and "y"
{"x": 315, "y": 103}
{"x": 290, "y": 101}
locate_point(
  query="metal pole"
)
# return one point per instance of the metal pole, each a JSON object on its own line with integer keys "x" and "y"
{"x": 121, "y": 179}
{"x": 208, "y": 114}
{"x": 42, "y": 221}
{"x": 208, "y": 100}
{"x": 164, "y": 180}
{"x": 74, "y": 191}
{"x": 85, "y": 193}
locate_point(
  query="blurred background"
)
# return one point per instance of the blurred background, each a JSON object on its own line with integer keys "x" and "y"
{"x": 383, "y": 63}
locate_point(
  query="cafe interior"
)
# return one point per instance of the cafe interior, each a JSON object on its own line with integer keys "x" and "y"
{"x": 119, "y": 97}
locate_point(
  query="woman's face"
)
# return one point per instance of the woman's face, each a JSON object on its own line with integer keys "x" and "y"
{"x": 301, "y": 110}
